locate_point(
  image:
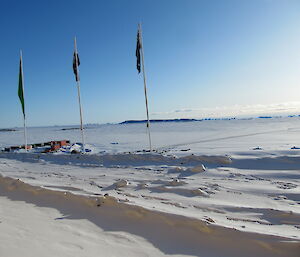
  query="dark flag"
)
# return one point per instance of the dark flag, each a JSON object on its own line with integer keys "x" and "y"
{"x": 76, "y": 63}
{"x": 21, "y": 88}
{"x": 140, "y": 54}
{"x": 138, "y": 51}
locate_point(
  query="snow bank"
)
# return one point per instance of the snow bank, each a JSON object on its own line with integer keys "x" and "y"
{"x": 125, "y": 159}
{"x": 199, "y": 168}
{"x": 171, "y": 234}
{"x": 196, "y": 163}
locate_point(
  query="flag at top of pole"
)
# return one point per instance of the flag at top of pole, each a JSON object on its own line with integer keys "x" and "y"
{"x": 139, "y": 53}
{"x": 21, "y": 97}
{"x": 21, "y": 86}
{"x": 76, "y": 63}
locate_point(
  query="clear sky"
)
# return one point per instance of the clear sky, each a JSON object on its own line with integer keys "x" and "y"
{"x": 202, "y": 57}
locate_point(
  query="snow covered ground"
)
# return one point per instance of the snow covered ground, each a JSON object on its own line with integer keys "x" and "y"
{"x": 42, "y": 231}
{"x": 202, "y": 137}
{"x": 240, "y": 174}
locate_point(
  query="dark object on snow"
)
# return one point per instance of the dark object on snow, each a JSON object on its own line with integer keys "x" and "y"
{"x": 265, "y": 117}
{"x": 257, "y": 148}
{"x": 56, "y": 145}
{"x": 295, "y": 148}
{"x": 7, "y": 130}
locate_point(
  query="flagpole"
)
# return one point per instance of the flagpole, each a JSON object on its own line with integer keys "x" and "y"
{"x": 145, "y": 85}
{"x": 25, "y": 134}
{"x": 24, "y": 117}
{"x": 79, "y": 98}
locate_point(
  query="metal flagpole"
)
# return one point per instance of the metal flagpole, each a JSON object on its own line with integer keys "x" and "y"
{"x": 145, "y": 85}
{"x": 79, "y": 99}
{"x": 25, "y": 132}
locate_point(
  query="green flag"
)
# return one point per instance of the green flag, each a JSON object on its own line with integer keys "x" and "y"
{"x": 21, "y": 89}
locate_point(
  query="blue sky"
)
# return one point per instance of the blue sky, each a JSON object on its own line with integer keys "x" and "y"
{"x": 202, "y": 57}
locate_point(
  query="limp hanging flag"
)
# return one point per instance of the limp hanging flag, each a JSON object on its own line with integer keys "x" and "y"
{"x": 138, "y": 51}
{"x": 21, "y": 88}
{"x": 21, "y": 97}
{"x": 76, "y": 63}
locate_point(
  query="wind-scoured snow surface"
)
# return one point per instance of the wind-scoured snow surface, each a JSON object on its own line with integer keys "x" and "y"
{"x": 241, "y": 174}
